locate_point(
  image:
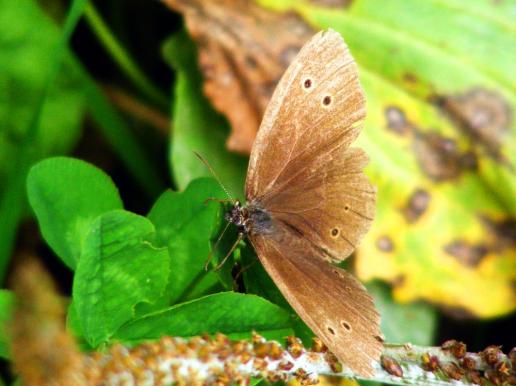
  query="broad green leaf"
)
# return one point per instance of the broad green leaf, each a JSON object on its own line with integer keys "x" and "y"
{"x": 119, "y": 268}
{"x": 40, "y": 103}
{"x": 184, "y": 223}
{"x": 233, "y": 314}
{"x": 67, "y": 195}
{"x": 197, "y": 127}
{"x": 413, "y": 60}
{"x": 404, "y": 323}
{"x": 6, "y": 307}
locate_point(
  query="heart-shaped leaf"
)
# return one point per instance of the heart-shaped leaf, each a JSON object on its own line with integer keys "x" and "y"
{"x": 67, "y": 195}
{"x": 119, "y": 268}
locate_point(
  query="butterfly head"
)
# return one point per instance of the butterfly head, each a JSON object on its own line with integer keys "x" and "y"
{"x": 239, "y": 216}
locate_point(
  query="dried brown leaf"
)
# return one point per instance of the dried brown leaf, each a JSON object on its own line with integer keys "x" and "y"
{"x": 243, "y": 51}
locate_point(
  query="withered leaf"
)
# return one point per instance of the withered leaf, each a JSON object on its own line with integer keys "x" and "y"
{"x": 243, "y": 51}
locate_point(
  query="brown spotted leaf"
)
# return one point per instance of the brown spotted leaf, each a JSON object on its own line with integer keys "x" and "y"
{"x": 442, "y": 138}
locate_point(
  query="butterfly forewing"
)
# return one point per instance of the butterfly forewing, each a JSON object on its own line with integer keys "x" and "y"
{"x": 309, "y": 199}
{"x": 318, "y": 102}
{"x": 301, "y": 165}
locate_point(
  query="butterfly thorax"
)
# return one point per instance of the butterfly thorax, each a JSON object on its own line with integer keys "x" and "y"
{"x": 249, "y": 219}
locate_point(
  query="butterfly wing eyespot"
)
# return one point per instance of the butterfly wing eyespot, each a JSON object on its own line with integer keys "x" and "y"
{"x": 335, "y": 232}
{"x": 346, "y": 325}
{"x": 326, "y": 100}
{"x": 307, "y": 83}
{"x": 331, "y": 330}
{"x": 302, "y": 166}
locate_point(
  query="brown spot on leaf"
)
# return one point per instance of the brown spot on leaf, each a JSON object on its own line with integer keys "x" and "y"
{"x": 483, "y": 115}
{"x": 399, "y": 281}
{"x": 410, "y": 78}
{"x": 332, "y": 3}
{"x": 385, "y": 244}
{"x": 466, "y": 253}
{"x": 396, "y": 120}
{"x": 440, "y": 158}
{"x": 416, "y": 206}
{"x": 243, "y": 51}
{"x": 504, "y": 231}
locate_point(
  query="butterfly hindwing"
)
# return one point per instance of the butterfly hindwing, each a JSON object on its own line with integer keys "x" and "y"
{"x": 333, "y": 303}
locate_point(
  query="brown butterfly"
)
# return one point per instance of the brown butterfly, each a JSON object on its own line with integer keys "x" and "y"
{"x": 309, "y": 202}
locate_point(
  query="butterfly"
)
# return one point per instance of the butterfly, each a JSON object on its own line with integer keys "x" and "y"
{"x": 309, "y": 202}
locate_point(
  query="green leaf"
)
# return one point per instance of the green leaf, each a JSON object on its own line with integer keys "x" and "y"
{"x": 197, "y": 127}
{"x": 233, "y": 314}
{"x": 40, "y": 105}
{"x": 184, "y": 223}
{"x": 67, "y": 195}
{"x": 413, "y": 61}
{"x": 414, "y": 323}
{"x": 6, "y": 308}
{"x": 118, "y": 268}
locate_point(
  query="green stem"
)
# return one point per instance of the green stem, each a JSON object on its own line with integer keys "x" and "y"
{"x": 123, "y": 59}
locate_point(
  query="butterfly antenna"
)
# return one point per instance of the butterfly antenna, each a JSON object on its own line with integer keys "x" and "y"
{"x": 205, "y": 162}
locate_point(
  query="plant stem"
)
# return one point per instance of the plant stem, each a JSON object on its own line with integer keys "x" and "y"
{"x": 123, "y": 59}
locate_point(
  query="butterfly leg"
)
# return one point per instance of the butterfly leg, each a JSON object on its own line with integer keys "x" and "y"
{"x": 210, "y": 255}
{"x": 239, "y": 238}
{"x": 243, "y": 269}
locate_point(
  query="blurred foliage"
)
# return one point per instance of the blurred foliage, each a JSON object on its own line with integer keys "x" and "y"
{"x": 440, "y": 132}
{"x": 6, "y": 305}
